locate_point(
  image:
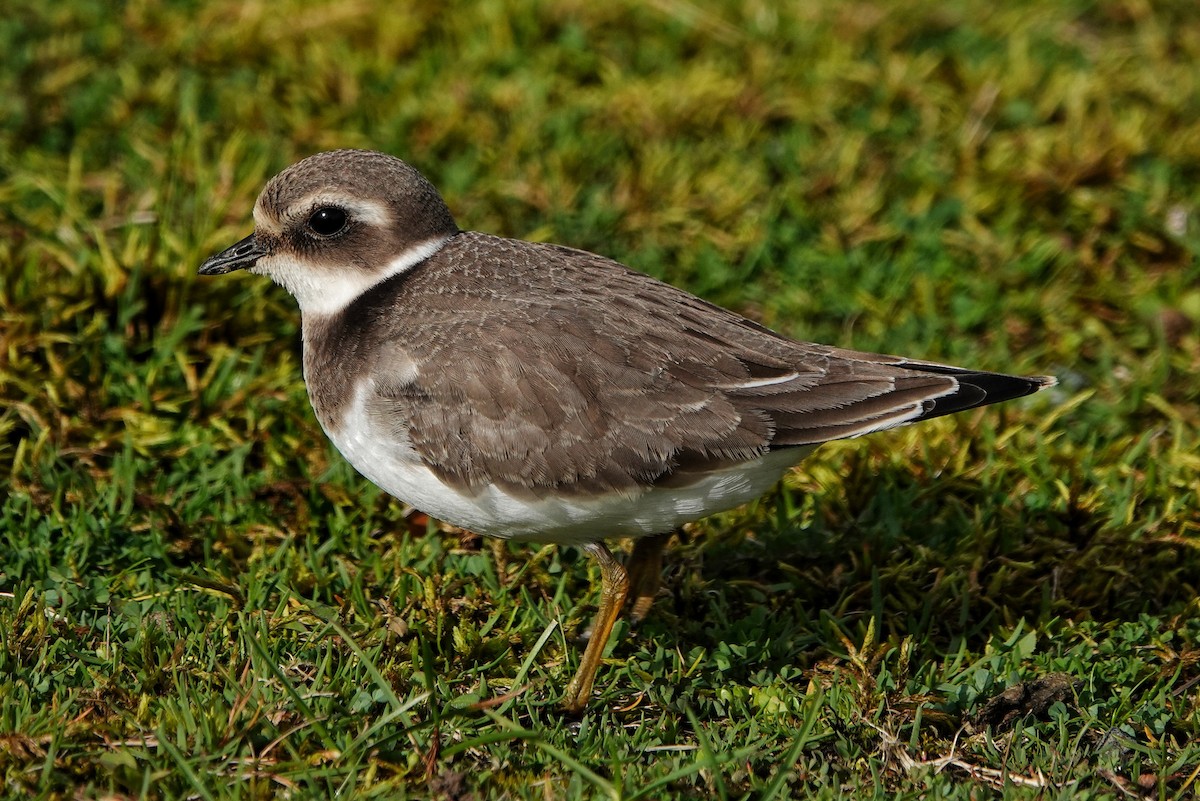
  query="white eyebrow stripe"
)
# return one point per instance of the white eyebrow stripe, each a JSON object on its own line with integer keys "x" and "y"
{"x": 362, "y": 209}
{"x": 262, "y": 220}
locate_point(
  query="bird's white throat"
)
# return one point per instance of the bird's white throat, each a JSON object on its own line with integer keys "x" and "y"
{"x": 317, "y": 291}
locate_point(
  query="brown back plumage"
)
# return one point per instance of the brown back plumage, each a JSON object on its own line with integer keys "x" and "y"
{"x": 536, "y": 367}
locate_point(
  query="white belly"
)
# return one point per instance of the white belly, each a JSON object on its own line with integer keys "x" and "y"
{"x": 388, "y": 460}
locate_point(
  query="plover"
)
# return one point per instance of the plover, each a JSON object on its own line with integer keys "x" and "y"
{"x": 531, "y": 391}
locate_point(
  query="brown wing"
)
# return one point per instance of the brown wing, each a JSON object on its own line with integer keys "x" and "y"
{"x": 572, "y": 372}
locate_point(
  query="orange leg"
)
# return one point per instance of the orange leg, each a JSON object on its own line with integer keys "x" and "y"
{"x": 645, "y": 573}
{"x": 614, "y": 584}
{"x": 500, "y": 557}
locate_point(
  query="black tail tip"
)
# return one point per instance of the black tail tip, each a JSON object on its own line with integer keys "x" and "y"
{"x": 977, "y": 388}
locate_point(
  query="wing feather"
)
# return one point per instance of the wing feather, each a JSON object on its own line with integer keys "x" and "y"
{"x": 584, "y": 376}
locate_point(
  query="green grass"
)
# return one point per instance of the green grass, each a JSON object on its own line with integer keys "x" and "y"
{"x": 199, "y": 599}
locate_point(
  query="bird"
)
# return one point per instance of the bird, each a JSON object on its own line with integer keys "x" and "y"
{"x": 534, "y": 392}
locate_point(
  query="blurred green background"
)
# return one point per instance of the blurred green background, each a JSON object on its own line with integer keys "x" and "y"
{"x": 198, "y": 598}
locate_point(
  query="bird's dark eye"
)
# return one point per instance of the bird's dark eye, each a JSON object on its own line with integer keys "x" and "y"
{"x": 327, "y": 221}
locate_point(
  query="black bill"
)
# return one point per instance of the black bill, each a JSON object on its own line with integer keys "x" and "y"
{"x": 236, "y": 257}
